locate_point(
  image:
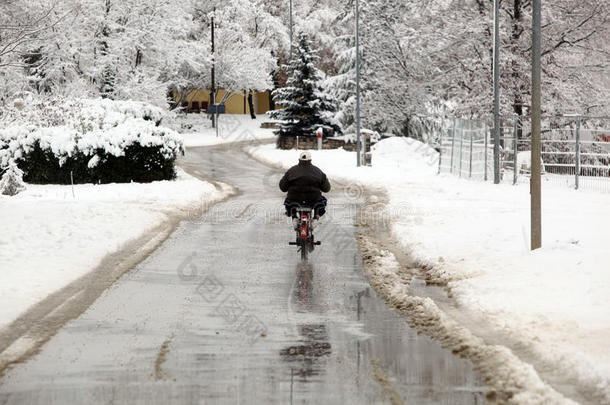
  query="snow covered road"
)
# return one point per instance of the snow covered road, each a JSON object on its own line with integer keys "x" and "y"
{"x": 225, "y": 312}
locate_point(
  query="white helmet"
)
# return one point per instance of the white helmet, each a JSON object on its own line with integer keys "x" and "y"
{"x": 305, "y": 156}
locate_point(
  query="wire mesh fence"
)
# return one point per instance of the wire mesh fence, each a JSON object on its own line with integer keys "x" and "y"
{"x": 575, "y": 150}
{"x": 464, "y": 146}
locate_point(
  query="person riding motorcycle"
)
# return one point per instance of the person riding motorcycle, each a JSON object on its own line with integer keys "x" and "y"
{"x": 305, "y": 184}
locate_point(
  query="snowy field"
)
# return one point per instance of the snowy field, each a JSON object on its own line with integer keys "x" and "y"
{"x": 50, "y": 236}
{"x": 553, "y": 303}
{"x": 196, "y": 129}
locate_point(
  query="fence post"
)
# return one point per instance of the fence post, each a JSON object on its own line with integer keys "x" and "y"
{"x": 440, "y": 154}
{"x": 515, "y": 153}
{"x": 461, "y": 146}
{"x": 486, "y": 145}
{"x": 452, "y": 144}
{"x": 577, "y": 179}
{"x": 470, "y": 164}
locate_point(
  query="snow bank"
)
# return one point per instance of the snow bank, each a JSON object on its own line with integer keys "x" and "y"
{"x": 524, "y": 162}
{"x": 509, "y": 380}
{"x": 50, "y": 236}
{"x": 474, "y": 237}
{"x": 196, "y": 129}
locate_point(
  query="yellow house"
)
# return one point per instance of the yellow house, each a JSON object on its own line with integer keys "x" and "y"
{"x": 198, "y": 101}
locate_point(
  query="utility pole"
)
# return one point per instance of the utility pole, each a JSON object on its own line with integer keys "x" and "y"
{"x": 213, "y": 95}
{"x": 496, "y": 79}
{"x": 358, "y": 144}
{"x": 535, "y": 183}
{"x": 291, "y": 28}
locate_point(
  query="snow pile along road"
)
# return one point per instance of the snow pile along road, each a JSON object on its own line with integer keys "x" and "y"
{"x": 52, "y": 235}
{"x": 551, "y": 307}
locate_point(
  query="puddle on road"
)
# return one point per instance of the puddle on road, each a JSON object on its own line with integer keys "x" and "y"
{"x": 303, "y": 290}
{"x": 420, "y": 288}
{"x": 313, "y": 345}
{"x": 376, "y": 350}
{"x": 305, "y": 357}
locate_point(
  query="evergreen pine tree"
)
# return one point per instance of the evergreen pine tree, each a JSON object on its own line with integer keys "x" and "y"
{"x": 12, "y": 181}
{"x": 307, "y": 106}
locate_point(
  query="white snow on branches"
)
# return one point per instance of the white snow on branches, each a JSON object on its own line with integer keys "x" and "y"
{"x": 87, "y": 126}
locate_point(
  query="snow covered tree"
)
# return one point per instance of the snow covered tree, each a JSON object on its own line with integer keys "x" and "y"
{"x": 244, "y": 41}
{"x": 22, "y": 24}
{"x": 342, "y": 85}
{"x": 12, "y": 180}
{"x": 24, "y": 27}
{"x": 107, "y": 81}
{"x": 418, "y": 56}
{"x": 424, "y": 58}
{"x": 307, "y": 106}
{"x": 246, "y": 37}
{"x": 136, "y": 50}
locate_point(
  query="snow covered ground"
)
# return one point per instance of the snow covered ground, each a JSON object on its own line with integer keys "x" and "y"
{"x": 50, "y": 237}
{"x": 196, "y": 129}
{"x": 553, "y": 303}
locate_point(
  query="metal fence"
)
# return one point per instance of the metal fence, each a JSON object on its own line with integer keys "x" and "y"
{"x": 575, "y": 150}
{"x": 465, "y": 149}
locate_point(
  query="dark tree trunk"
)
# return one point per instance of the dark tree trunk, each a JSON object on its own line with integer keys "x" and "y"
{"x": 171, "y": 100}
{"x": 108, "y": 75}
{"x": 251, "y": 105}
{"x": 138, "y": 57}
{"x": 271, "y": 101}
{"x": 517, "y": 30}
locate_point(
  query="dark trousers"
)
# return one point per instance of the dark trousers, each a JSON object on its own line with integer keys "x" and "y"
{"x": 319, "y": 208}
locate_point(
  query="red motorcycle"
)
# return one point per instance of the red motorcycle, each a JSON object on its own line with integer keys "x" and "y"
{"x": 305, "y": 239}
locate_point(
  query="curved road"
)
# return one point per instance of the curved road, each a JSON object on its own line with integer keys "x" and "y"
{"x": 224, "y": 312}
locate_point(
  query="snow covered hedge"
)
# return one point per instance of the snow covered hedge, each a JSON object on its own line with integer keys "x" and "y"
{"x": 90, "y": 141}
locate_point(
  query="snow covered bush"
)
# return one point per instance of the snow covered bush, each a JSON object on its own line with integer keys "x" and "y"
{"x": 12, "y": 181}
{"x": 90, "y": 141}
{"x": 73, "y": 112}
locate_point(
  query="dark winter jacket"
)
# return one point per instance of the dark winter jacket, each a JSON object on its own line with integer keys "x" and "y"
{"x": 305, "y": 182}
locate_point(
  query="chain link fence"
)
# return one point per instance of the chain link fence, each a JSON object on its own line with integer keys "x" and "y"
{"x": 575, "y": 150}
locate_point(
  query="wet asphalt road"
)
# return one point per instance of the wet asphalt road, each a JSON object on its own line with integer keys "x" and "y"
{"x": 225, "y": 312}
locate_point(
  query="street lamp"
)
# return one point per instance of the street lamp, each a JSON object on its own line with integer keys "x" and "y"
{"x": 290, "y": 30}
{"x": 496, "y": 79}
{"x": 535, "y": 181}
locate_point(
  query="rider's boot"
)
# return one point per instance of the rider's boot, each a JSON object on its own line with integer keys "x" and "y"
{"x": 314, "y": 223}
{"x": 295, "y": 223}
